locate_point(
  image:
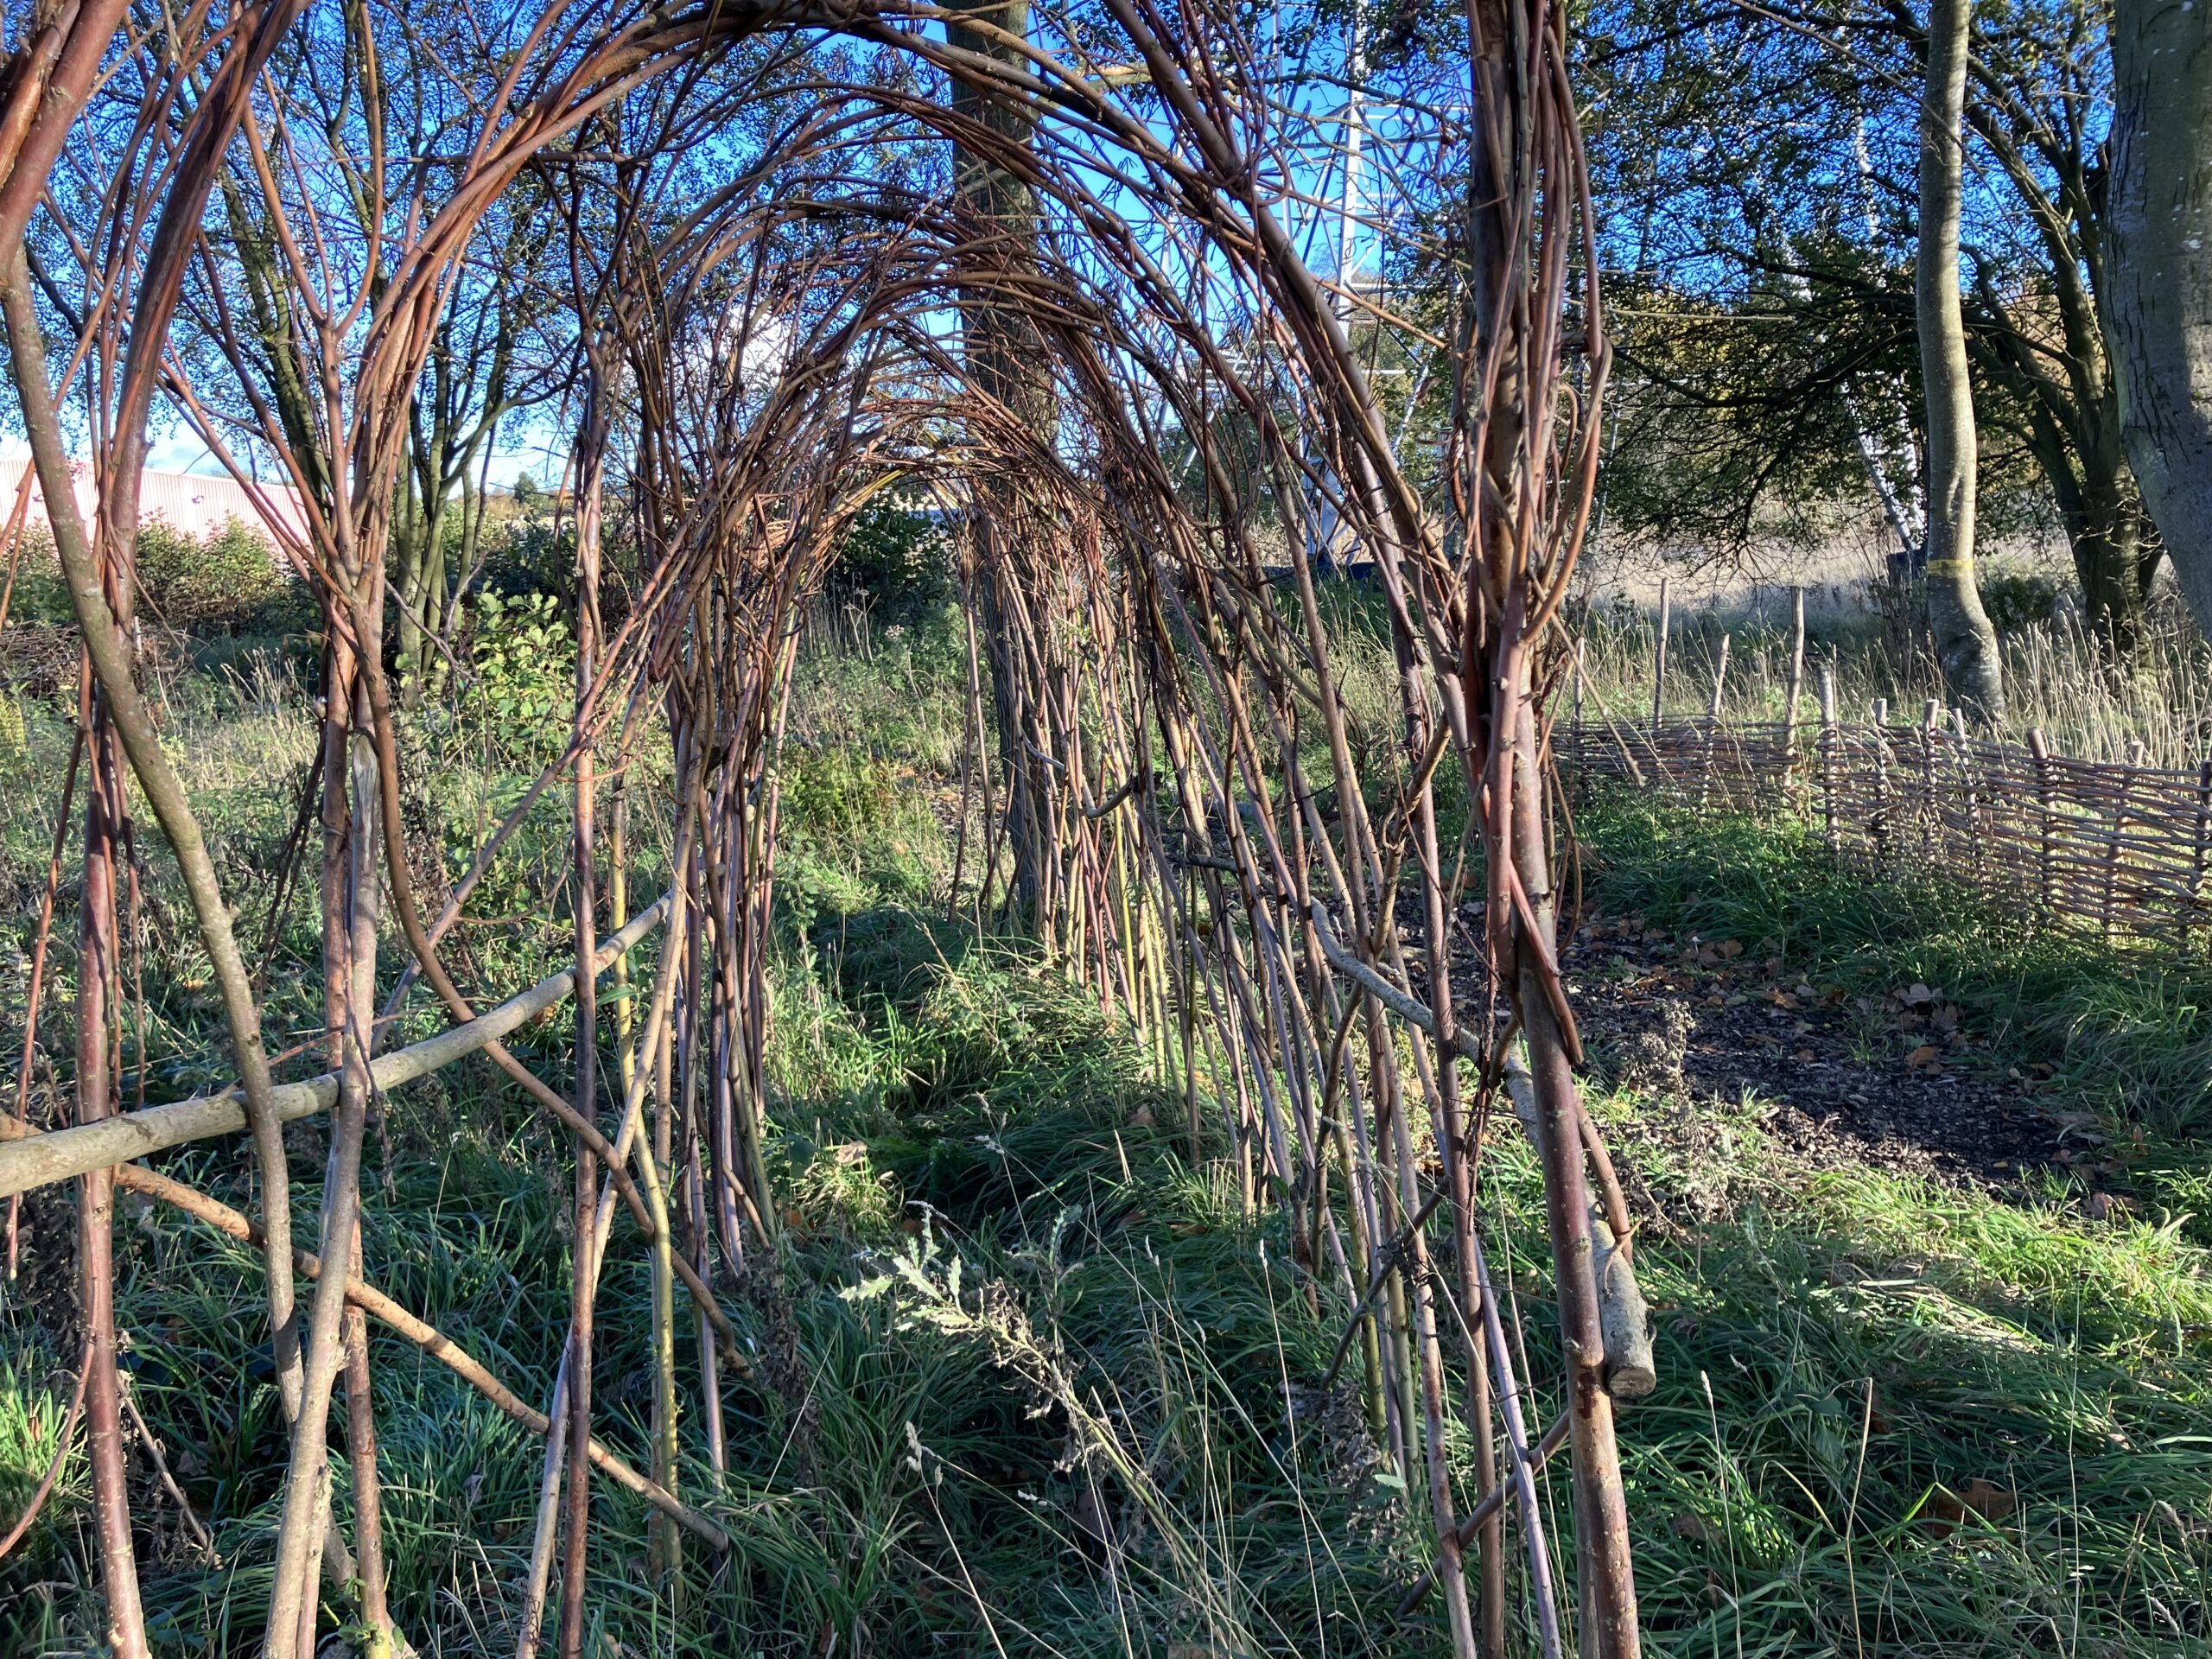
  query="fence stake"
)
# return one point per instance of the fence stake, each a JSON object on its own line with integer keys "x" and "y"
{"x": 1796, "y": 676}
{"x": 1831, "y": 741}
{"x": 1659, "y": 662}
{"x": 2118, "y": 828}
{"x": 1879, "y": 831}
{"x": 2039, "y": 749}
{"x": 1931, "y": 728}
{"x": 1713, "y": 724}
{"x": 2197, "y": 854}
{"x": 2196, "y": 857}
{"x": 1969, "y": 794}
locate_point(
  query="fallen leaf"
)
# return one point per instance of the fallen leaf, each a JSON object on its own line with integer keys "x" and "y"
{"x": 1942, "y": 1514}
{"x": 1981, "y": 1497}
{"x": 1878, "y": 1421}
{"x": 1988, "y": 1500}
{"x": 1916, "y": 995}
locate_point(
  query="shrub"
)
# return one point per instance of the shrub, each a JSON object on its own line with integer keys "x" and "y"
{"x": 524, "y": 659}
{"x": 2017, "y": 602}
{"x": 835, "y": 794}
{"x": 894, "y": 562}
{"x": 39, "y": 595}
{"x": 528, "y": 555}
{"x": 232, "y": 582}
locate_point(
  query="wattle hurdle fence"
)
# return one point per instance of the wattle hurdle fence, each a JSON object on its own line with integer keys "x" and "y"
{"x": 2121, "y": 849}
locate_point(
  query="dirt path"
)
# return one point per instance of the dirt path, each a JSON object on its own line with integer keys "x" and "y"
{"x": 1897, "y": 1083}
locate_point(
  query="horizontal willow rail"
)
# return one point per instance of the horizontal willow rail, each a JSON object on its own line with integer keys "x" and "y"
{"x": 30, "y": 1158}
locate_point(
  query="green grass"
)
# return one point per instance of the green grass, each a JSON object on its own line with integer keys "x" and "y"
{"x": 1032, "y": 1383}
{"x": 1894, "y": 1418}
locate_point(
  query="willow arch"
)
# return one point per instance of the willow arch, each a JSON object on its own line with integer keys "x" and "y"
{"x": 756, "y": 362}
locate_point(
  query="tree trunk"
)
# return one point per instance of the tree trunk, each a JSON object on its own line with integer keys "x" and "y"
{"x": 1006, "y": 357}
{"x": 2115, "y": 562}
{"x": 1965, "y": 643}
{"x": 2158, "y": 283}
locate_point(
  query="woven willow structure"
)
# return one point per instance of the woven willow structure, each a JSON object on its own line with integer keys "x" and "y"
{"x": 1111, "y": 359}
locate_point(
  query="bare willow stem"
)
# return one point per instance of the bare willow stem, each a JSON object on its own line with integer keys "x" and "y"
{"x": 110, "y": 656}
{"x": 382, "y": 1308}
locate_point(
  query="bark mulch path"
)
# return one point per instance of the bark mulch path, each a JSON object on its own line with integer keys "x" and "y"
{"x": 1898, "y": 1082}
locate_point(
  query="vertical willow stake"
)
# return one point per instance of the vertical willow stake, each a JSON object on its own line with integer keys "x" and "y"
{"x": 591, "y": 454}
{"x": 1524, "y": 477}
{"x": 1713, "y": 725}
{"x": 1796, "y": 689}
{"x": 1831, "y": 743}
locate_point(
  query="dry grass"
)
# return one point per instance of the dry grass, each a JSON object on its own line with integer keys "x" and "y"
{"x": 2058, "y": 676}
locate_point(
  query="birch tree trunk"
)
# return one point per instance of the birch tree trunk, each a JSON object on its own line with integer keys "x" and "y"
{"x": 2158, "y": 305}
{"x": 1965, "y": 643}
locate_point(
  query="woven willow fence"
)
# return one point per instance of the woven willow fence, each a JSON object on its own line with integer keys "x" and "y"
{"x": 2120, "y": 848}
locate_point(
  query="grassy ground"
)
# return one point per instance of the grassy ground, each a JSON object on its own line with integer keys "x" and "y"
{"x": 1029, "y": 1383}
